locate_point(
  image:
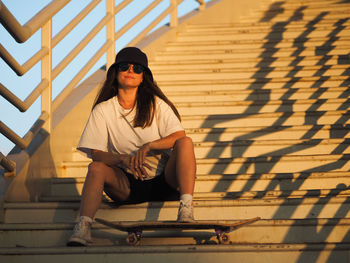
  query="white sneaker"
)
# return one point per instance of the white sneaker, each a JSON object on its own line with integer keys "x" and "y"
{"x": 81, "y": 234}
{"x": 185, "y": 213}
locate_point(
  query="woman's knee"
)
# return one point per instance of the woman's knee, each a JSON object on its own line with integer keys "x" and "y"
{"x": 184, "y": 142}
{"x": 97, "y": 169}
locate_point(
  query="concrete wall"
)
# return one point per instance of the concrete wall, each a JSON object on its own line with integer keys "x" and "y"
{"x": 43, "y": 158}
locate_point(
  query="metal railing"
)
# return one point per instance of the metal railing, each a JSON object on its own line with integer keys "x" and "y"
{"x": 43, "y": 21}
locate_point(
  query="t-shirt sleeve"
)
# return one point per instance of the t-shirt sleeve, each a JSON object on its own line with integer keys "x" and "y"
{"x": 168, "y": 122}
{"x": 95, "y": 134}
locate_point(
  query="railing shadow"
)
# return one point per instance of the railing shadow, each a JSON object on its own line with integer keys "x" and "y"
{"x": 313, "y": 115}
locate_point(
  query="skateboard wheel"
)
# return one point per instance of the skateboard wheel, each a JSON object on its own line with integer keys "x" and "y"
{"x": 132, "y": 239}
{"x": 224, "y": 238}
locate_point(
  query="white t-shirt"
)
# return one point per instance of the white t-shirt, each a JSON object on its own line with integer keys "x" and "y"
{"x": 107, "y": 130}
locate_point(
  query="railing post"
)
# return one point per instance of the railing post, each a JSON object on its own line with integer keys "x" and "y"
{"x": 173, "y": 14}
{"x": 110, "y": 6}
{"x": 201, "y": 5}
{"x": 46, "y": 72}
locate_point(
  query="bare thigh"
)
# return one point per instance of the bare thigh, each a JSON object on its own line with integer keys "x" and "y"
{"x": 117, "y": 185}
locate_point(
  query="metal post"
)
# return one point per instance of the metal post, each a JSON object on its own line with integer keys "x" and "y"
{"x": 201, "y": 5}
{"x": 46, "y": 72}
{"x": 173, "y": 14}
{"x": 110, "y": 32}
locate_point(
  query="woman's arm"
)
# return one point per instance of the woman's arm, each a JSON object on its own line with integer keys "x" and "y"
{"x": 110, "y": 159}
{"x": 166, "y": 142}
{"x": 137, "y": 161}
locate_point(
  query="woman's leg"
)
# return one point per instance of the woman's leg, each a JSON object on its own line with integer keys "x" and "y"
{"x": 101, "y": 177}
{"x": 180, "y": 171}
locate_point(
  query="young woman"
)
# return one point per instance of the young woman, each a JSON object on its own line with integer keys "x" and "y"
{"x": 139, "y": 149}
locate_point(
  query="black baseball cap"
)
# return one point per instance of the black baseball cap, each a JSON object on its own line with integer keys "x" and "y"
{"x": 133, "y": 55}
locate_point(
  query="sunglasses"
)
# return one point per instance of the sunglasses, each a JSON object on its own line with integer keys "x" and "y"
{"x": 138, "y": 69}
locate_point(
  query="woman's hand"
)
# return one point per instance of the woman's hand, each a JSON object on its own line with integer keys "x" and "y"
{"x": 138, "y": 164}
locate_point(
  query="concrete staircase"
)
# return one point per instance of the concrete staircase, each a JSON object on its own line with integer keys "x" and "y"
{"x": 266, "y": 103}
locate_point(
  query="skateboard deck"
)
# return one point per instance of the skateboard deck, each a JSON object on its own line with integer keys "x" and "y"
{"x": 135, "y": 229}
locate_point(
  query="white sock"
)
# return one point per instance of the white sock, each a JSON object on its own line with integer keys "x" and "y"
{"x": 186, "y": 198}
{"x": 86, "y": 219}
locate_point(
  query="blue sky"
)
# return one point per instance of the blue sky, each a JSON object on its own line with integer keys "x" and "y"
{"x": 22, "y": 86}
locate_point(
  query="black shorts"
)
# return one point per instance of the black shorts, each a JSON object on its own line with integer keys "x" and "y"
{"x": 156, "y": 189}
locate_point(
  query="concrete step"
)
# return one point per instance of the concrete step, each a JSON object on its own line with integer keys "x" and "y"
{"x": 257, "y": 72}
{"x": 263, "y": 63}
{"x": 269, "y": 133}
{"x": 259, "y": 95}
{"x": 251, "y": 148}
{"x": 252, "y": 107}
{"x": 294, "y": 16}
{"x": 278, "y": 33}
{"x": 60, "y": 187}
{"x": 308, "y": 4}
{"x": 301, "y": 43}
{"x": 251, "y": 165}
{"x": 297, "y": 231}
{"x": 315, "y": 24}
{"x": 312, "y": 29}
{"x": 304, "y": 10}
{"x": 274, "y": 34}
{"x": 342, "y": 191}
{"x": 250, "y": 53}
{"x": 266, "y": 119}
{"x": 333, "y": 205}
{"x": 303, "y": 253}
{"x": 255, "y": 83}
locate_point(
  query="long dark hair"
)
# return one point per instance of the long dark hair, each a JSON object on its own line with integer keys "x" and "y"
{"x": 145, "y": 98}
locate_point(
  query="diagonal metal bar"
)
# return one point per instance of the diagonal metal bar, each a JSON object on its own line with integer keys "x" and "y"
{"x": 17, "y": 102}
{"x": 20, "y": 70}
{"x": 27, "y": 139}
{"x": 22, "y": 33}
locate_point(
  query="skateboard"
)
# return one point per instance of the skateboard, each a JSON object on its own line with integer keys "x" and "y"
{"x": 135, "y": 229}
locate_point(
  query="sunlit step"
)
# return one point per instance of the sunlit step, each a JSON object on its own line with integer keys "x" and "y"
{"x": 305, "y": 3}
{"x": 269, "y": 133}
{"x": 272, "y": 208}
{"x": 279, "y": 181}
{"x": 301, "y": 43}
{"x": 60, "y": 187}
{"x": 251, "y": 53}
{"x": 260, "y": 106}
{"x": 300, "y": 25}
{"x": 232, "y": 74}
{"x": 305, "y": 10}
{"x": 274, "y": 164}
{"x": 272, "y": 34}
{"x": 266, "y": 119}
{"x": 310, "y": 30}
{"x": 244, "y": 195}
{"x": 295, "y": 16}
{"x": 260, "y": 232}
{"x": 250, "y": 148}
{"x": 263, "y": 63}
{"x": 258, "y": 95}
{"x": 250, "y": 165}
{"x": 255, "y": 83}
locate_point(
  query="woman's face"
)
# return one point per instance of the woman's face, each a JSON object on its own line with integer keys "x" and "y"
{"x": 128, "y": 78}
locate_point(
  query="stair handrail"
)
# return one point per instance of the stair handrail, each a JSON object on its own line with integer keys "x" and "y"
{"x": 22, "y": 33}
{"x": 43, "y": 21}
